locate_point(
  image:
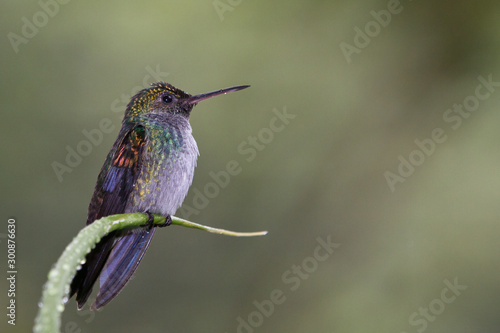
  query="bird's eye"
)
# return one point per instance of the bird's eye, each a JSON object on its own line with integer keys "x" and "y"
{"x": 167, "y": 98}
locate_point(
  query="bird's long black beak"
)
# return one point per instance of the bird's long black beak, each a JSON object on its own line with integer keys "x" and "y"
{"x": 198, "y": 98}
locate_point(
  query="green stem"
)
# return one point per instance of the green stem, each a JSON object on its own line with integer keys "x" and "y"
{"x": 56, "y": 289}
{"x": 193, "y": 225}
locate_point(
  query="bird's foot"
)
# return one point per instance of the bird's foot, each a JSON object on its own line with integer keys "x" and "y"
{"x": 168, "y": 221}
{"x": 151, "y": 219}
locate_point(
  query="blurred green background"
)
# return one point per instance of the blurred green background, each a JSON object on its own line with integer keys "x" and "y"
{"x": 358, "y": 114}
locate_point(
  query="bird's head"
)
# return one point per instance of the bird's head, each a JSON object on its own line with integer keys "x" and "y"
{"x": 163, "y": 97}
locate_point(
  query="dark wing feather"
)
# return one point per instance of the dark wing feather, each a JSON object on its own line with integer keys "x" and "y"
{"x": 121, "y": 264}
{"x": 114, "y": 185}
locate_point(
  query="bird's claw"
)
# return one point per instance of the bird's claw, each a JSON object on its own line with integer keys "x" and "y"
{"x": 168, "y": 221}
{"x": 151, "y": 219}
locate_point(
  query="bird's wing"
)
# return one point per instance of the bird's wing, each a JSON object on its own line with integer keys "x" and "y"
{"x": 114, "y": 185}
{"x": 118, "y": 174}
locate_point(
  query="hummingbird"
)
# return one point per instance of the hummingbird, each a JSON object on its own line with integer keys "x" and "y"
{"x": 149, "y": 169}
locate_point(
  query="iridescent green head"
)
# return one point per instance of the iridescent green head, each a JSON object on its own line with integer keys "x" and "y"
{"x": 163, "y": 97}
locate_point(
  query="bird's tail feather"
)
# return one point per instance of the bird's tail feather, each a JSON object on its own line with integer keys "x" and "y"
{"x": 121, "y": 264}
{"x": 87, "y": 275}
{"x": 114, "y": 260}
